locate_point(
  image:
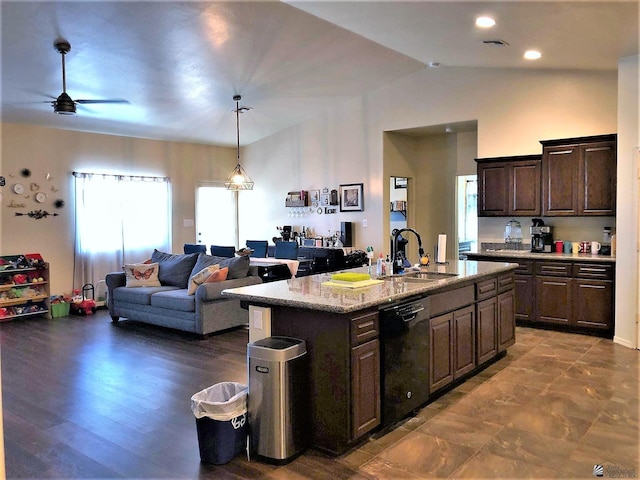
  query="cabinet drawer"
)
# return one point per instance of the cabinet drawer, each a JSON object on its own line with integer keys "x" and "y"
{"x": 451, "y": 300}
{"x": 524, "y": 268}
{"x": 553, "y": 269}
{"x": 486, "y": 289}
{"x": 593, "y": 270}
{"x": 364, "y": 328}
{"x": 506, "y": 282}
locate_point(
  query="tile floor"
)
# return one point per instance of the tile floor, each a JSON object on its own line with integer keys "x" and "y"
{"x": 554, "y": 407}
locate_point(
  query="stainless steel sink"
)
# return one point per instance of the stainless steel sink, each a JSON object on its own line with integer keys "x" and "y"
{"x": 418, "y": 277}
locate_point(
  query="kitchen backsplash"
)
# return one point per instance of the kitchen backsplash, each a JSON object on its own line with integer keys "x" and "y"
{"x": 574, "y": 229}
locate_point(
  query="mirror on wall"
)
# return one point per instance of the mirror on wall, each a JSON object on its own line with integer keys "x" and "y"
{"x": 398, "y": 197}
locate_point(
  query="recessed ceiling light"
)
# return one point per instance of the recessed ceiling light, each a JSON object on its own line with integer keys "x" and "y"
{"x": 485, "y": 22}
{"x": 435, "y": 64}
{"x": 532, "y": 54}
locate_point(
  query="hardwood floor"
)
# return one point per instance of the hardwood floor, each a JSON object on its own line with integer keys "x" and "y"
{"x": 85, "y": 398}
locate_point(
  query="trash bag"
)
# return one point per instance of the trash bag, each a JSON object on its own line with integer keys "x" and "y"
{"x": 221, "y": 421}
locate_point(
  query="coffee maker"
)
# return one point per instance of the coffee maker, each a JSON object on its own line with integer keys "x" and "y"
{"x": 541, "y": 236}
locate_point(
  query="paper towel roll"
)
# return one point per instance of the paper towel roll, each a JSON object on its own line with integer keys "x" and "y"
{"x": 442, "y": 248}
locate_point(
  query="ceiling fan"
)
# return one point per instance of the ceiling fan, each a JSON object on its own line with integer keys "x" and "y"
{"x": 64, "y": 104}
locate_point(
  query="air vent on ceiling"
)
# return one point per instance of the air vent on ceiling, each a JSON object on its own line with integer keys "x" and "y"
{"x": 500, "y": 43}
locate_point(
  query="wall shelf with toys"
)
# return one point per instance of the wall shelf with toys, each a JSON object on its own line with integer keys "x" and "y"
{"x": 24, "y": 286}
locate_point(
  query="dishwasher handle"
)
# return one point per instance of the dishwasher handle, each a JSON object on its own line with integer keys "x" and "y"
{"x": 407, "y": 317}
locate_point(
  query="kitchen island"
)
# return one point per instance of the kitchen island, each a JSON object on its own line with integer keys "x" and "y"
{"x": 469, "y": 311}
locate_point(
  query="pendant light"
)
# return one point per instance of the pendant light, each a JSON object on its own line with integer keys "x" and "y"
{"x": 238, "y": 179}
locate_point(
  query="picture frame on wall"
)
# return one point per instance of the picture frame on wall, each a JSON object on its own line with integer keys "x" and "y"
{"x": 400, "y": 182}
{"x": 324, "y": 199}
{"x": 314, "y": 196}
{"x": 352, "y": 197}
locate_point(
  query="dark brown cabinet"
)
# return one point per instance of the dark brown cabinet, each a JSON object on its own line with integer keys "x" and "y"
{"x": 593, "y": 296}
{"x": 451, "y": 347}
{"x": 487, "y": 347}
{"x": 506, "y": 320}
{"x": 365, "y": 387}
{"x": 578, "y": 295}
{"x": 344, "y": 362}
{"x": 509, "y": 186}
{"x": 440, "y": 351}
{"x": 579, "y": 176}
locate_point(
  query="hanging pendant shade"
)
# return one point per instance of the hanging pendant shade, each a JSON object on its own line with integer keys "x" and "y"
{"x": 238, "y": 179}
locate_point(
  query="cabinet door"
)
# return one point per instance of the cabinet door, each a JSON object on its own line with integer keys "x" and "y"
{"x": 559, "y": 187}
{"x": 487, "y": 329}
{"x": 464, "y": 344}
{"x": 493, "y": 186}
{"x": 598, "y": 179}
{"x": 440, "y": 351}
{"x": 525, "y": 189}
{"x": 506, "y": 320}
{"x": 554, "y": 299}
{"x": 525, "y": 298}
{"x": 593, "y": 304}
{"x": 365, "y": 387}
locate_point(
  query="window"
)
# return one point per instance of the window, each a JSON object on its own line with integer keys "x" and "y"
{"x": 119, "y": 219}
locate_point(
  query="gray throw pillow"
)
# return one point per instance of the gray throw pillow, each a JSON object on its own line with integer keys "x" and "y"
{"x": 174, "y": 270}
{"x": 238, "y": 266}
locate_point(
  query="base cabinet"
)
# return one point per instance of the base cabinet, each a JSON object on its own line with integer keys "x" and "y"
{"x": 506, "y": 320}
{"x": 487, "y": 329}
{"x": 365, "y": 386}
{"x": 575, "y": 294}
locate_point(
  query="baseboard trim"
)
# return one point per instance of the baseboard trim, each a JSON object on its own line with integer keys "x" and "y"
{"x": 623, "y": 342}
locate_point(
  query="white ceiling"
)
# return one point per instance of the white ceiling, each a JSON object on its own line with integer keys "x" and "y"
{"x": 180, "y": 63}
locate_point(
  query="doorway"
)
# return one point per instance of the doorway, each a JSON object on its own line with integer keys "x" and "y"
{"x": 216, "y": 206}
{"x": 467, "y": 213}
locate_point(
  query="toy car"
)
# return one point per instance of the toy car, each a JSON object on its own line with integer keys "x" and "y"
{"x": 84, "y": 305}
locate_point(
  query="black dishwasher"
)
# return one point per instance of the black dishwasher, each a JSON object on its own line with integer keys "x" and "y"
{"x": 405, "y": 359}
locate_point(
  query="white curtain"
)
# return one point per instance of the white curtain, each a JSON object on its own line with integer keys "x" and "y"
{"x": 119, "y": 219}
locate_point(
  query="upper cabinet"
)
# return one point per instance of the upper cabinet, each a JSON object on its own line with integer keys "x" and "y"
{"x": 509, "y": 186}
{"x": 579, "y": 176}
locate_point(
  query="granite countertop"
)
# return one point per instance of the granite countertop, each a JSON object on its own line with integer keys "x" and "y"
{"x": 309, "y": 292}
{"x": 563, "y": 257}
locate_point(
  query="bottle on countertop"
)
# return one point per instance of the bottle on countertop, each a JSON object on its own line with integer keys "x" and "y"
{"x": 380, "y": 266}
{"x": 389, "y": 267}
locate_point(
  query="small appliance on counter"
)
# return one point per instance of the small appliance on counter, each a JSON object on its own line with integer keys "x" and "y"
{"x": 541, "y": 236}
{"x": 513, "y": 232}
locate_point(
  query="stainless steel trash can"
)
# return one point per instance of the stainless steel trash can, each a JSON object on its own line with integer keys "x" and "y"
{"x": 277, "y": 403}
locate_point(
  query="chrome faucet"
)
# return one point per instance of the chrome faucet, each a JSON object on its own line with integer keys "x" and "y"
{"x": 395, "y": 254}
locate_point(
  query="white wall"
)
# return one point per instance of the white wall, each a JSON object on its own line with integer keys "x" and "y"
{"x": 515, "y": 109}
{"x": 627, "y": 226}
{"x": 60, "y": 152}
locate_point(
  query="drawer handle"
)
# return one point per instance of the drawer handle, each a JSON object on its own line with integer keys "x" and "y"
{"x": 366, "y": 324}
{"x": 551, "y": 267}
{"x": 599, "y": 287}
{"x": 555, "y": 283}
{"x": 593, "y": 269}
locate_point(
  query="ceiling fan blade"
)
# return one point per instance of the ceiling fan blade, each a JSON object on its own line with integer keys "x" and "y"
{"x": 107, "y": 100}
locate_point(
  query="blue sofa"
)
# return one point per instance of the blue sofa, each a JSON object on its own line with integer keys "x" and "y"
{"x": 170, "y": 305}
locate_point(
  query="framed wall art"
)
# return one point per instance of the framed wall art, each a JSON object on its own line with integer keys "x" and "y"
{"x": 352, "y": 197}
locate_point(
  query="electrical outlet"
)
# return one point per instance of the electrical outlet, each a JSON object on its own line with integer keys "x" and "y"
{"x": 365, "y": 224}
{"x": 257, "y": 319}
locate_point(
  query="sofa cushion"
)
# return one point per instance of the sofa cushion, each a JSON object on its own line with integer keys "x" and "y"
{"x": 199, "y": 278}
{"x": 219, "y": 275}
{"x": 139, "y": 295}
{"x": 174, "y": 300}
{"x": 238, "y": 266}
{"x": 142, "y": 274}
{"x": 174, "y": 270}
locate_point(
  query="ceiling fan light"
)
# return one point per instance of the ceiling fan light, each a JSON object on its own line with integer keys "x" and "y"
{"x": 64, "y": 105}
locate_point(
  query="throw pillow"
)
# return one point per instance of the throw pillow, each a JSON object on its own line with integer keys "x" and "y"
{"x": 142, "y": 275}
{"x": 174, "y": 270}
{"x": 199, "y": 278}
{"x": 238, "y": 266}
{"x": 218, "y": 275}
